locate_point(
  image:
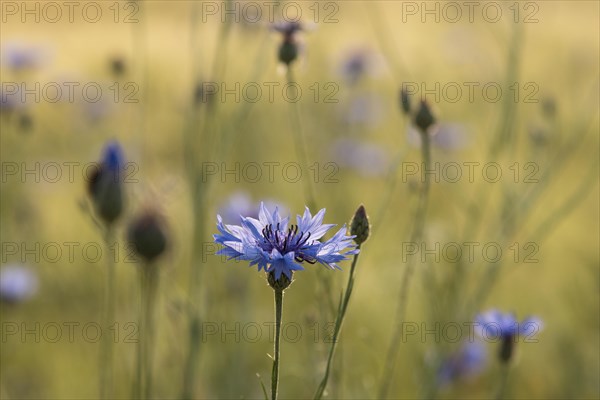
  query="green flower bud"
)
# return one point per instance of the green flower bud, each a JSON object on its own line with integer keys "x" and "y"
{"x": 106, "y": 184}
{"x": 359, "y": 226}
{"x": 106, "y": 191}
{"x": 288, "y": 51}
{"x": 424, "y": 117}
{"x": 147, "y": 234}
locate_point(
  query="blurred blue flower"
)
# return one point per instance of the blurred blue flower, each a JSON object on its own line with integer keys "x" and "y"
{"x": 269, "y": 243}
{"x": 236, "y": 205}
{"x": 447, "y": 136}
{"x": 496, "y": 324}
{"x": 7, "y": 104}
{"x": 367, "y": 158}
{"x": 356, "y": 64}
{"x": 17, "y": 283}
{"x": 12, "y": 101}
{"x": 19, "y": 57}
{"x": 466, "y": 362}
{"x": 505, "y": 326}
{"x": 112, "y": 156}
{"x": 363, "y": 109}
{"x": 239, "y": 204}
{"x": 287, "y": 28}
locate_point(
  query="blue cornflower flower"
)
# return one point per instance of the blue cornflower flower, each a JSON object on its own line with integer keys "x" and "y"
{"x": 17, "y": 283}
{"x": 466, "y": 362}
{"x": 506, "y": 327}
{"x": 280, "y": 249}
{"x": 112, "y": 156}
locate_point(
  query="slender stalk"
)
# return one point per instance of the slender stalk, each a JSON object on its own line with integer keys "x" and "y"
{"x": 144, "y": 376}
{"x": 150, "y": 334}
{"x": 275, "y": 372}
{"x": 338, "y": 327}
{"x": 296, "y": 121}
{"x": 140, "y": 359}
{"x": 106, "y": 352}
{"x": 416, "y": 236}
{"x": 501, "y": 395}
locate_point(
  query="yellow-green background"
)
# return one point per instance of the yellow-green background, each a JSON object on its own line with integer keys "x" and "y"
{"x": 166, "y": 56}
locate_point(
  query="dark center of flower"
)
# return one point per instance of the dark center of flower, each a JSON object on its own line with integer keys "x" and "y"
{"x": 286, "y": 242}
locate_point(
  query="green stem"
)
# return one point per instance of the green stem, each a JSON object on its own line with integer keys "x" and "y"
{"x": 275, "y": 371}
{"x": 149, "y": 304}
{"x": 338, "y": 327}
{"x": 148, "y": 285}
{"x": 501, "y": 395}
{"x": 106, "y": 352}
{"x": 416, "y": 237}
{"x": 140, "y": 363}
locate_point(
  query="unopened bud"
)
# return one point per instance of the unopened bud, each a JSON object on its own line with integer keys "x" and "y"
{"x": 424, "y": 117}
{"x": 288, "y": 52}
{"x": 359, "y": 226}
{"x": 105, "y": 185}
{"x": 147, "y": 234}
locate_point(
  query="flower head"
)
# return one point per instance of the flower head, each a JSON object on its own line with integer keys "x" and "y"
{"x": 288, "y": 28}
{"x": 358, "y": 63}
{"x": 505, "y": 326}
{"x": 368, "y": 159}
{"x": 279, "y": 248}
{"x": 19, "y": 56}
{"x": 288, "y": 49}
{"x": 466, "y": 362}
{"x": 17, "y": 283}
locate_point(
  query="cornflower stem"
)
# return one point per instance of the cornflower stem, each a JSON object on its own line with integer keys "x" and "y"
{"x": 148, "y": 285}
{"x": 505, "y": 369}
{"x": 275, "y": 371}
{"x": 338, "y": 327}
{"x": 106, "y": 352}
{"x": 296, "y": 121}
{"x": 416, "y": 236}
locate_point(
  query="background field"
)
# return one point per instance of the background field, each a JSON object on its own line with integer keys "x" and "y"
{"x": 176, "y": 46}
